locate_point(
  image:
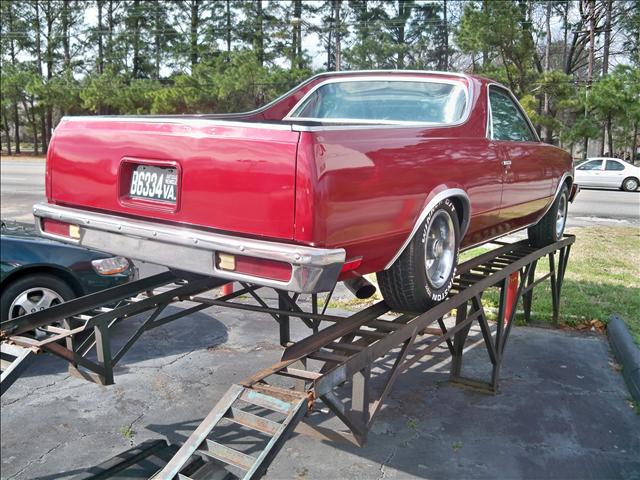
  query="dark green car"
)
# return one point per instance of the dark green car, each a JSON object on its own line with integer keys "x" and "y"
{"x": 37, "y": 273}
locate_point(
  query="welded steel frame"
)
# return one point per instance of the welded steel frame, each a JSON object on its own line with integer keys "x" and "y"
{"x": 86, "y": 324}
{"x": 409, "y": 337}
{"x": 348, "y": 349}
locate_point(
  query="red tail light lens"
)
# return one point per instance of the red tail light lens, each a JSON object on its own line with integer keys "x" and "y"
{"x": 256, "y": 267}
{"x": 61, "y": 229}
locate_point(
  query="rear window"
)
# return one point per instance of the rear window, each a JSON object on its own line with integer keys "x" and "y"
{"x": 384, "y": 101}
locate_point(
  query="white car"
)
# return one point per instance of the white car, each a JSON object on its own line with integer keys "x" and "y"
{"x": 608, "y": 173}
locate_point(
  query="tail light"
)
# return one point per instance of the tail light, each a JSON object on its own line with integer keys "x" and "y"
{"x": 256, "y": 267}
{"x": 61, "y": 229}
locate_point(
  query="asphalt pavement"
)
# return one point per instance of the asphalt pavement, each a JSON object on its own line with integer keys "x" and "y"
{"x": 23, "y": 185}
{"x": 562, "y": 412}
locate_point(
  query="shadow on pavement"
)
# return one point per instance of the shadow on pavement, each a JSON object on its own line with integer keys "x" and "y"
{"x": 195, "y": 332}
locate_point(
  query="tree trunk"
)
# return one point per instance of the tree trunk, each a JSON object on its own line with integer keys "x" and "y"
{"x": 38, "y": 38}
{"x": 31, "y": 118}
{"x": 66, "y": 27}
{"x": 258, "y": 42}
{"x": 565, "y": 16}
{"x": 606, "y": 132}
{"x": 609, "y": 136}
{"x": 446, "y": 36}
{"x": 100, "y": 48}
{"x": 296, "y": 40}
{"x": 634, "y": 142}
{"x": 49, "y": 17}
{"x": 7, "y": 134}
{"x": 402, "y": 6}
{"x": 16, "y": 123}
{"x": 547, "y": 64}
{"x": 592, "y": 27}
{"x": 193, "y": 39}
{"x": 34, "y": 126}
{"x": 336, "y": 24}
{"x": 228, "y": 34}
{"x": 298, "y": 13}
{"x": 485, "y": 52}
{"x": 157, "y": 46}
{"x": 110, "y": 28}
{"x": 12, "y": 52}
{"x": 137, "y": 70}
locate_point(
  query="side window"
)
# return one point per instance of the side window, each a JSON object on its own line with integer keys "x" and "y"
{"x": 507, "y": 121}
{"x": 613, "y": 165}
{"x": 591, "y": 165}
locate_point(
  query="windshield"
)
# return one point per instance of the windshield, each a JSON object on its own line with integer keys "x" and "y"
{"x": 385, "y": 101}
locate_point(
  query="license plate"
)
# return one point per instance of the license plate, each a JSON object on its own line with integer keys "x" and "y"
{"x": 155, "y": 183}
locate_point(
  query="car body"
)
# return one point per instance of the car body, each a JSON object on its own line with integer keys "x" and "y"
{"x": 606, "y": 172}
{"x": 45, "y": 271}
{"x": 329, "y": 182}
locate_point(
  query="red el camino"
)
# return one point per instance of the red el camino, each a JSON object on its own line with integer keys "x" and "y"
{"x": 349, "y": 173}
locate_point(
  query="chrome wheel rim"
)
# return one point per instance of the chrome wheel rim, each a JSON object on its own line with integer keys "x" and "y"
{"x": 34, "y": 300}
{"x": 561, "y": 217}
{"x": 631, "y": 184}
{"x": 440, "y": 248}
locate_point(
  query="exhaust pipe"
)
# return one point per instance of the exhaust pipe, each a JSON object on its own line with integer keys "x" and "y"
{"x": 360, "y": 287}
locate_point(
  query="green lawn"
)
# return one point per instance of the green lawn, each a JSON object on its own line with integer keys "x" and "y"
{"x": 602, "y": 279}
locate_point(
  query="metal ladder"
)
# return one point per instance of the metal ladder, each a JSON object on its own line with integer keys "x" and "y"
{"x": 14, "y": 360}
{"x": 77, "y": 329}
{"x": 269, "y": 413}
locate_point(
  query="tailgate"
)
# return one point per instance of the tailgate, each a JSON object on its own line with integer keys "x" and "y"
{"x": 229, "y": 176}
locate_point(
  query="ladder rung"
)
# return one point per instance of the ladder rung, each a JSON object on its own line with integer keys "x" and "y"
{"x": 384, "y": 325}
{"x": 370, "y": 333}
{"x": 301, "y": 374}
{"x": 228, "y": 455}
{"x": 11, "y": 349}
{"x": 4, "y": 364}
{"x": 52, "y": 329}
{"x": 265, "y": 401}
{"x": 347, "y": 347}
{"x": 327, "y": 357}
{"x": 252, "y": 421}
{"x": 104, "y": 309}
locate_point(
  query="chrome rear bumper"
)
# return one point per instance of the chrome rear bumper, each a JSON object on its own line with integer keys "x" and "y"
{"x": 313, "y": 269}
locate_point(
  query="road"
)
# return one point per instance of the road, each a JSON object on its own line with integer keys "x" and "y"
{"x": 23, "y": 185}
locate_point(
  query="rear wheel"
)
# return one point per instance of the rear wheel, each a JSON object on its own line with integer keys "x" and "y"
{"x": 630, "y": 184}
{"x": 422, "y": 276}
{"x": 551, "y": 227}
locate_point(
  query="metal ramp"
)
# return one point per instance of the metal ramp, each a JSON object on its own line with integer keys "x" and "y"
{"x": 350, "y": 366}
{"x": 80, "y": 331}
{"x": 242, "y": 409}
{"x": 14, "y": 360}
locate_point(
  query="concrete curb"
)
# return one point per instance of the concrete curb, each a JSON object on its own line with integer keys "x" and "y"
{"x": 627, "y": 354}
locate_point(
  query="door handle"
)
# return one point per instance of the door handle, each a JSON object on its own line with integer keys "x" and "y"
{"x": 506, "y": 163}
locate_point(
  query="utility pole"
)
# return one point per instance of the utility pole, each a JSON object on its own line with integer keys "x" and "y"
{"x": 547, "y": 65}
{"x": 607, "y": 137}
{"x": 592, "y": 28}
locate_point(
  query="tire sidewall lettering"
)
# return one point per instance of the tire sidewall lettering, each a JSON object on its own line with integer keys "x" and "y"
{"x": 443, "y": 291}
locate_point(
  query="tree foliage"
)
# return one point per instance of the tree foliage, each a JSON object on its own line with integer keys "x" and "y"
{"x": 68, "y": 57}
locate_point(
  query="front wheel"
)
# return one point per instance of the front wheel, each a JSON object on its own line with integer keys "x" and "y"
{"x": 423, "y": 274}
{"x": 551, "y": 227}
{"x": 33, "y": 293}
